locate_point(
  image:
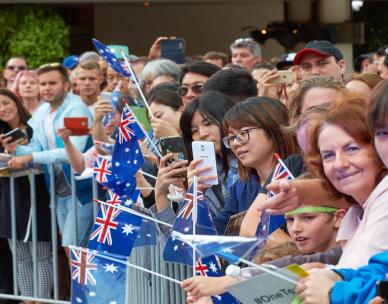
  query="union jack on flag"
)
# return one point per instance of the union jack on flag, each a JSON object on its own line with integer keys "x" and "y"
{"x": 82, "y": 266}
{"x": 125, "y": 128}
{"x": 113, "y": 198}
{"x": 105, "y": 222}
{"x": 102, "y": 168}
{"x": 280, "y": 172}
{"x": 187, "y": 208}
{"x": 210, "y": 267}
{"x": 97, "y": 272}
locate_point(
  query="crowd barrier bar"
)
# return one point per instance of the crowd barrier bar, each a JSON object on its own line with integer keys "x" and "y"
{"x": 141, "y": 288}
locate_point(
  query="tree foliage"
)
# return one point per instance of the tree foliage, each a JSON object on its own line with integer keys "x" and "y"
{"x": 34, "y": 32}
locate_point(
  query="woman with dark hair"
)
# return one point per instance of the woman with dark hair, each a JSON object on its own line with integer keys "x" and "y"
{"x": 13, "y": 115}
{"x": 201, "y": 120}
{"x": 167, "y": 108}
{"x": 254, "y": 129}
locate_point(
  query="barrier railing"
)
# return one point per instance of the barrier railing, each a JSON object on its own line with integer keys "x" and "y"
{"x": 141, "y": 288}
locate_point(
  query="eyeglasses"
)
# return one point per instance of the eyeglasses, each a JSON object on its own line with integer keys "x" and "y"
{"x": 16, "y": 67}
{"x": 183, "y": 90}
{"x": 242, "y": 137}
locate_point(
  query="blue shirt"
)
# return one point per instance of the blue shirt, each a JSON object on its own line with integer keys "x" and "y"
{"x": 243, "y": 193}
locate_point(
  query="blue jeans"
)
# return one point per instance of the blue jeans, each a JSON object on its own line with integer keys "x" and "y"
{"x": 66, "y": 222}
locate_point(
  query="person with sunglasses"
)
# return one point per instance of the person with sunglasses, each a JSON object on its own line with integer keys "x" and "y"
{"x": 12, "y": 68}
{"x": 192, "y": 78}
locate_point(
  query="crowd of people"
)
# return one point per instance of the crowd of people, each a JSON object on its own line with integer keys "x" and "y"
{"x": 330, "y": 129}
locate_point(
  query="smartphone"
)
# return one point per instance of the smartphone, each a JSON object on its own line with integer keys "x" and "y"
{"x": 15, "y": 134}
{"x": 173, "y": 49}
{"x": 284, "y": 77}
{"x": 382, "y": 290}
{"x": 173, "y": 144}
{"x": 206, "y": 151}
{"x": 79, "y": 126}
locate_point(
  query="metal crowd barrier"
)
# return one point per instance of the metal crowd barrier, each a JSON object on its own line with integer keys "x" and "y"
{"x": 142, "y": 288}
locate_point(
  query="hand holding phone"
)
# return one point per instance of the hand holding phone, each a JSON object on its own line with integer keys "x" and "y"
{"x": 15, "y": 134}
{"x": 205, "y": 160}
{"x": 78, "y": 126}
{"x": 175, "y": 145}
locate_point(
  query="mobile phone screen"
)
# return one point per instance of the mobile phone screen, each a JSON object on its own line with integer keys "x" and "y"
{"x": 173, "y": 49}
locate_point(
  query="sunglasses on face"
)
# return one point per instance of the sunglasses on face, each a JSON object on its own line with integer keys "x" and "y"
{"x": 16, "y": 67}
{"x": 183, "y": 90}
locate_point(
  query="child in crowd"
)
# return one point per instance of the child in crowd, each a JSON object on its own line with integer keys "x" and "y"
{"x": 312, "y": 228}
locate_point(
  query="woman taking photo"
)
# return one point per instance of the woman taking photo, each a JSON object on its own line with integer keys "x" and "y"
{"x": 13, "y": 115}
{"x": 201, "y": 120}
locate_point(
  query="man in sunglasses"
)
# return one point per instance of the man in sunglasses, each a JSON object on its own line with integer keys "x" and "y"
{"x": 12, "y": 68}
{"x": 192, "y": 78}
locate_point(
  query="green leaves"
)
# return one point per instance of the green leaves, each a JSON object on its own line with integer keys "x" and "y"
{"x": 34, "y": 32}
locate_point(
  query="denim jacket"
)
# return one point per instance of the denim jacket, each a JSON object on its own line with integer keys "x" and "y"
{"x": 38, "y": 147}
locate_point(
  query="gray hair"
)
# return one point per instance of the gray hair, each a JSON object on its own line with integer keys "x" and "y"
{"x": 158, "y": 67}
{"x": 248, "y": 43}
{"x": 88, "y": 56}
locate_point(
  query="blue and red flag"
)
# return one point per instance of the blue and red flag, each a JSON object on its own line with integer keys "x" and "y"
{"x": 90, "y": 272}
{"x": 178, "y": 251}
{"x": 115, "y": 231}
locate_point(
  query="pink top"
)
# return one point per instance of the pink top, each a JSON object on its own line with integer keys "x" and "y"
{"x": 363, "y": 235}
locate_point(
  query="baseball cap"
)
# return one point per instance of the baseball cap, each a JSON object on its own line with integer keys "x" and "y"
{"x": 70, "y": 62}
{"x": 321, "y": 48}
{"x": 286, "y": 59}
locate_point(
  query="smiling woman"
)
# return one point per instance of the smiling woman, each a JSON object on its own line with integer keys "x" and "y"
{"x": 342, "y": 153}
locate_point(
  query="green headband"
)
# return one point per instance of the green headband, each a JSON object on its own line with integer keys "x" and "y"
{"x": 311, "y": 209}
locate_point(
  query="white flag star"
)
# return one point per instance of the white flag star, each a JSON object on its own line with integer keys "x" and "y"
{"x": 213, "y": 267}
{"x": 128, "y": 202}
{"x": 128, "y": 229}
{"x": 110, "y": 268}
{"x": 228, "y": 250}
{"x": 176, "y": 247}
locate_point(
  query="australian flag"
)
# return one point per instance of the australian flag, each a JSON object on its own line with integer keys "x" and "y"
{"x": 90, "y": 274}
{"x": 210, "y": 267}
{"x": 178, "y": 251}
{"x": 127, "y": 157}
{"x": 231, "y": 248}
{"x": 104, "y": 174}
{"x": 115, "y": 231}
{"x": 269, "y": 223}
{"x": 111, "y": 58}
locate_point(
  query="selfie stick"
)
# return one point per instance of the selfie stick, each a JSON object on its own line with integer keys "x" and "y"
{"x": 113, "y": 259}
{"x": 195, "y": 189}
{"x": 134, "y": 212}
{"x": 134, "y": 79}
{"x": 144, "y": 131}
